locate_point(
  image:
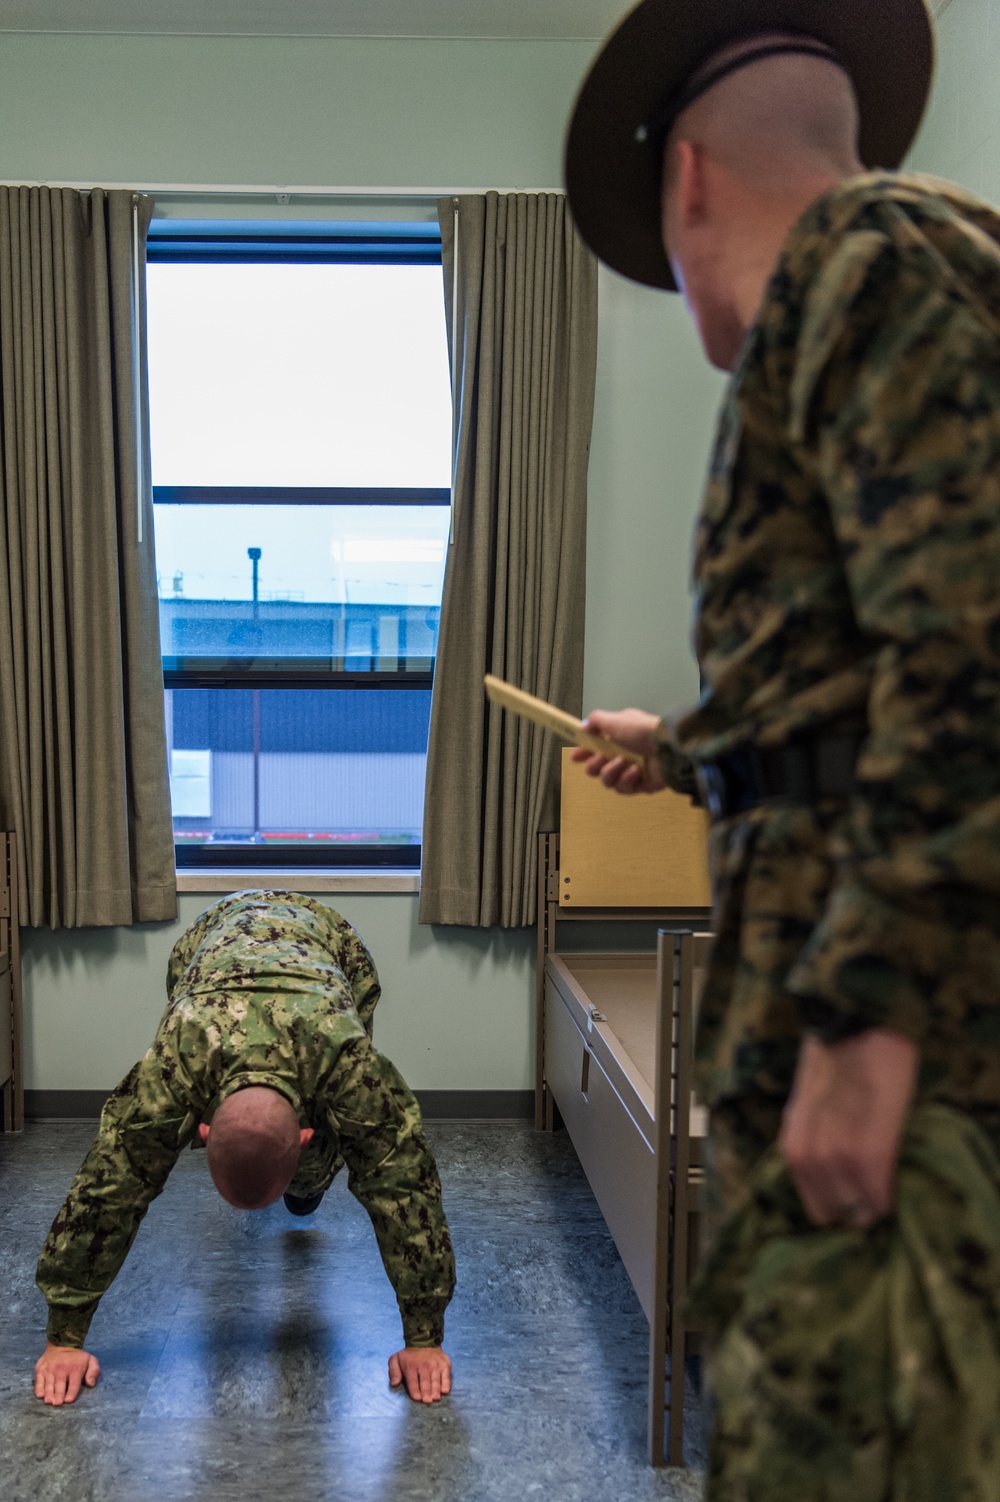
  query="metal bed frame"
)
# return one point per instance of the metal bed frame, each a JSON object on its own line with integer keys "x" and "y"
{"x": 636, "y": 1144}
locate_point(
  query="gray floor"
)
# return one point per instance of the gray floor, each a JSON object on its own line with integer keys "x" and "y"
{"x": 244, "y": 1354}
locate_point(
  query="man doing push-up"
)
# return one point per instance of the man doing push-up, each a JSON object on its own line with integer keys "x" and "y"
{"x": 264, "y": 1053}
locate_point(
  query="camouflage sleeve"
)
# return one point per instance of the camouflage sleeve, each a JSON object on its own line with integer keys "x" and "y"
{"x": 392, "y": 1173}
{"x": 898, "y": 391}
{"x": 362, "y": 977}
{"x": 137, "y": 1144}
{"x": 676, "y": 769}
{"x": 187, "y": 946}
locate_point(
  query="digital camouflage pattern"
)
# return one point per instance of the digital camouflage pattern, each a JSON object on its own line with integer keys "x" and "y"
{"x": 895, "y": 1391}
{"x": 847, "y": 572}
{"x": 273, "y": 989}
{"x": 847, "y": 575}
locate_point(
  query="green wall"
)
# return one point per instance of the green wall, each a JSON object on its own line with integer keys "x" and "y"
{"x": 359, "y": 111}
{"x": 466, "y": 114}
{"x": 455, "y": 1012}
{"x": 458, "y": 1004}
{"x": 960, "y": 139}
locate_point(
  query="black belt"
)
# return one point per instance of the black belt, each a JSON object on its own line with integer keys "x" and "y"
{"x": 803, "y": 771}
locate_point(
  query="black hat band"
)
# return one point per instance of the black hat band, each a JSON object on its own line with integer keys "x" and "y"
{"x": 658, "y": 127}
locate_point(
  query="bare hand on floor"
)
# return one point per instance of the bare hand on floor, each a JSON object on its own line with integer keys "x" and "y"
{"x": 426, "y": 1373}
{"x": 61, "y": 1370}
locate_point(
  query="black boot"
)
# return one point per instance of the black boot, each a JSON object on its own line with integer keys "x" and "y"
{"x": 306, "y": 1206}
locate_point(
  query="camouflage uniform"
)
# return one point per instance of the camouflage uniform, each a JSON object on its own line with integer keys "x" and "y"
{"x": 272, "y": 989}
{"x": 847, "y": 569}
{"x": 895, "y": 1390}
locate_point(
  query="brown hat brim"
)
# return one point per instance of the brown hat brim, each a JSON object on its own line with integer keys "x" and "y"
{"x": 612, "y": 177}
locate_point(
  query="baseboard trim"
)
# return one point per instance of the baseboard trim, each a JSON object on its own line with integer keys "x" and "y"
{"x": 436, "y": 1105}
{"x": 63, "y": 1105}
{"x": 477, "y": 1105}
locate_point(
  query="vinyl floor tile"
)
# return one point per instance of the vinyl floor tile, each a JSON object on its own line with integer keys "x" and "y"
{"x": 64, "y": 1455}
{"x": 412, "y": 1456}
{"x": 244, "y": 1355}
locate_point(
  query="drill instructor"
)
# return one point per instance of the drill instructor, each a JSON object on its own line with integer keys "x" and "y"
{"x": 847, "y": 739}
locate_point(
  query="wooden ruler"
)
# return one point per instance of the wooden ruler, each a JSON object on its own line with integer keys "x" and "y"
{"x": 566, "y": 726}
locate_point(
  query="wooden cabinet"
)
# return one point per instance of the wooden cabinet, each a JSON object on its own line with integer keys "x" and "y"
{"x": 11, "y": 1066}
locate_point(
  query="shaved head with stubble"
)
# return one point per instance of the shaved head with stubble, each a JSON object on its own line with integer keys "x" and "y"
{"x": 741, "y": 165}
{"x": 253, "y": 1146}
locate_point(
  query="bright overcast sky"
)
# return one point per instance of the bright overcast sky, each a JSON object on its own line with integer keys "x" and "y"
{"x": 298, "y": 375}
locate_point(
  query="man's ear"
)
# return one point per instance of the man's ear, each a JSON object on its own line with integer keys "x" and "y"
{"x": 690, "y": 184}
{"x": 203, "y": 1131}
{"x": 306, "y": 1135}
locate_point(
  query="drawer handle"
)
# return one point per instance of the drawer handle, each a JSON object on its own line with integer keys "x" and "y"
{"x": 593, "y": 1015}
{"x": 585, "y": 1073}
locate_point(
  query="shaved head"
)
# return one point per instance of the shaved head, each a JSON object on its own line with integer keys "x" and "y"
{"x": 777, "y": 119}
{"x": 253, "y": 1147}
{"x": 741, "y": 164}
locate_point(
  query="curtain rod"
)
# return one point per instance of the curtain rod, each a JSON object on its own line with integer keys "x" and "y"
{"x": 281, "y": 191}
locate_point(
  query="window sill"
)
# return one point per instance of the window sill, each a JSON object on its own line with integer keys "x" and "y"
{"x": 295, "y": 879}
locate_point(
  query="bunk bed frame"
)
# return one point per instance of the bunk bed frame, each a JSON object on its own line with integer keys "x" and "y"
{"x": 615, "y": 1047}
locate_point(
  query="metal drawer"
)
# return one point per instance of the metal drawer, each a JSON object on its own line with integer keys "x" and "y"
{"x": 615, "y": 1156}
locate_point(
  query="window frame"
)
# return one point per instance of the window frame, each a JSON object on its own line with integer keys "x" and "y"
{"x": 239, "y": 242}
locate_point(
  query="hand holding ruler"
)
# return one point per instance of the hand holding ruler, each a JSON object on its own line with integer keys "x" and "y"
{"x": 565, "y": 725}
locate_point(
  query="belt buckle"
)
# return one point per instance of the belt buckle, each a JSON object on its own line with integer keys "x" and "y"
{"x": 712, "y": 787}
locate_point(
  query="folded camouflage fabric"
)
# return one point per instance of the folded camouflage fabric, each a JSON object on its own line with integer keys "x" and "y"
{"x": 862, "y": 1366}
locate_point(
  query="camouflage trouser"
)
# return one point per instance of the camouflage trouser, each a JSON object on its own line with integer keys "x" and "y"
{"x": 852, "y": 1366}
{"x": 805, "y": 1337}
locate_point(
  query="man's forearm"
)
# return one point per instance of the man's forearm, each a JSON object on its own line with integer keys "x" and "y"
{"x": 67, "y": 1325}
{"x": 423, "y": 1321}
{"x": 392, "y": 1174}
{"x": 414, "y": 1243}
{"x": 93, "y": 1231}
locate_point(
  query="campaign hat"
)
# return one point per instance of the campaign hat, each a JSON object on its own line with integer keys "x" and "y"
{"x": 613, "y": 155}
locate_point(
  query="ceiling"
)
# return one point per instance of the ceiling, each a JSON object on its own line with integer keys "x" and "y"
{"x": 584, "y": 19}
{"x": 533, "y": 19}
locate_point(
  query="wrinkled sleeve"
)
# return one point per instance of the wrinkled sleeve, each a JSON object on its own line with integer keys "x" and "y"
{"x": 141, "y": 1132}
{"x": 362, "y": 977}
{"x": 901, "y": 416}
{"x": 187, "y": 947}
{"x": 393, "y": 1174}
{"x": 676, "y": 769}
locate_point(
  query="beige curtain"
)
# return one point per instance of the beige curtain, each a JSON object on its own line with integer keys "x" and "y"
{"x": 524, "y": 355}
{"x": 83, "y": 774}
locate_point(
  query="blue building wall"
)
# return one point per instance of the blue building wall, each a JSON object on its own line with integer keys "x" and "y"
{"x": 302, "y": 720}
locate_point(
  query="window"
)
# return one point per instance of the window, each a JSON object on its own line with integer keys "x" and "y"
{"x": 300, "y": 415}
